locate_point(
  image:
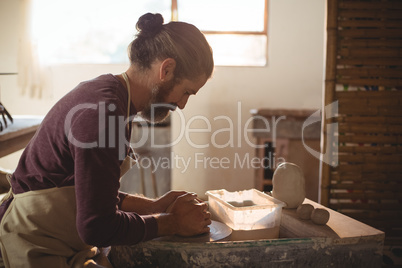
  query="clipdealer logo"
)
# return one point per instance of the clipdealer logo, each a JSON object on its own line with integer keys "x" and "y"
{"x": 329, "y": 157}
{"x": 112, "y": 134}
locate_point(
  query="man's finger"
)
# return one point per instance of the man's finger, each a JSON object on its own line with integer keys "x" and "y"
{"x": 205, "y": 230}
{"x": 187, "y": 197}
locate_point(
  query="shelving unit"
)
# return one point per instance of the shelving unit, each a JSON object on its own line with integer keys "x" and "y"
{"x": 363, "y": 74}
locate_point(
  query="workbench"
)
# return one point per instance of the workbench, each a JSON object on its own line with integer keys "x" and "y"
{"x": 15, "y": 137}
{"x": 17, "y": 134}
{"x": 342, "y": 242}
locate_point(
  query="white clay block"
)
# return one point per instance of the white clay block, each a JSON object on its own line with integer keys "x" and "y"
{"x": 288, "y": 185}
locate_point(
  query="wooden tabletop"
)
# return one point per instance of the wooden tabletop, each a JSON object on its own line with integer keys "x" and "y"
{"x": 339, "y": 227}
{"x": 17, "y": 134}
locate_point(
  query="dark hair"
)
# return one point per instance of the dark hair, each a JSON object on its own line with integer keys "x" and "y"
{"x": 178, "y": 40}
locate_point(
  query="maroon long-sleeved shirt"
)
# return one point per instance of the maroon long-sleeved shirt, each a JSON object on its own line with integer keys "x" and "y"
{"x": 82, "y": 141}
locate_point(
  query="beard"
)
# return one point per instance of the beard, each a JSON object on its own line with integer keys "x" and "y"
{"x": 157, "y": 110}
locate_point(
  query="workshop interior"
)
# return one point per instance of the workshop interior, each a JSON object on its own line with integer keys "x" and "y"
{"x": 295, "y": 142}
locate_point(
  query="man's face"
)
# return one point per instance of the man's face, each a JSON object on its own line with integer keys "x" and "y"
{"x": 169, "y": 95}
{"x": 158, "y": 109}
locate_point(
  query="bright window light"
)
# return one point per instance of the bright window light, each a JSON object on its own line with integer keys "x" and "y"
{"x": 223, "y": 15}
{"x": 235, "y": 29}
{"x": 90, "y": 31}
{"x": 99, "y": 31}
{"x": 238, "y": 50}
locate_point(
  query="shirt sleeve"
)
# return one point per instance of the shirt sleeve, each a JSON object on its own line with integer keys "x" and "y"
{"x": 100, "y": 222}
{"x": 122, "y": 195}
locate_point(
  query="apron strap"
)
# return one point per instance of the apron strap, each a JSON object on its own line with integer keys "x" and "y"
{"x": 129, "y": 161}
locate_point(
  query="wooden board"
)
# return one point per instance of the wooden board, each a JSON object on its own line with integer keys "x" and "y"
{"x": 338, "y": 227}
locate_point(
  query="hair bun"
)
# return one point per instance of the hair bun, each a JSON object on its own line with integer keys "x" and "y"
{"x": 149, "y": 24}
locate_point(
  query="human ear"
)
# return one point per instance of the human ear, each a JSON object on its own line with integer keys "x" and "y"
{"x": 167, "y": 68}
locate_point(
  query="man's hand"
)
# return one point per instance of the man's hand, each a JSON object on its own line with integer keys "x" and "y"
{"x": 162, "y": 204}
{"x": 186, "y": 217}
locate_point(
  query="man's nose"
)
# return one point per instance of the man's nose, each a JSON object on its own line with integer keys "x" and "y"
{"x": 182, "y": 103}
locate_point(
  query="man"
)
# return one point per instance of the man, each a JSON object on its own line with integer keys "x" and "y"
{"x": 65, "y": 201}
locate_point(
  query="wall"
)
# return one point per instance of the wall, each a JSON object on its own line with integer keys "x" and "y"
{"x": 292, "y": 79}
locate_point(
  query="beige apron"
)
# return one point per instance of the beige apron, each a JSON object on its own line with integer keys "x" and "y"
{"x": 39, "y": 228}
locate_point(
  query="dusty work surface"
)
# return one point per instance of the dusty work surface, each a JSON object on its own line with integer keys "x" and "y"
{"x": 343, "y": 242}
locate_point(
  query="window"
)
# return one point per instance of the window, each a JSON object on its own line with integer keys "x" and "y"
{"x": 235, "y": 29}
{"x": 90, "y": 31}
{"x": 99, "y": 31}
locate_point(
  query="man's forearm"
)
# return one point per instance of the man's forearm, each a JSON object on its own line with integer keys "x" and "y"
{"x": 138, "y": 204}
